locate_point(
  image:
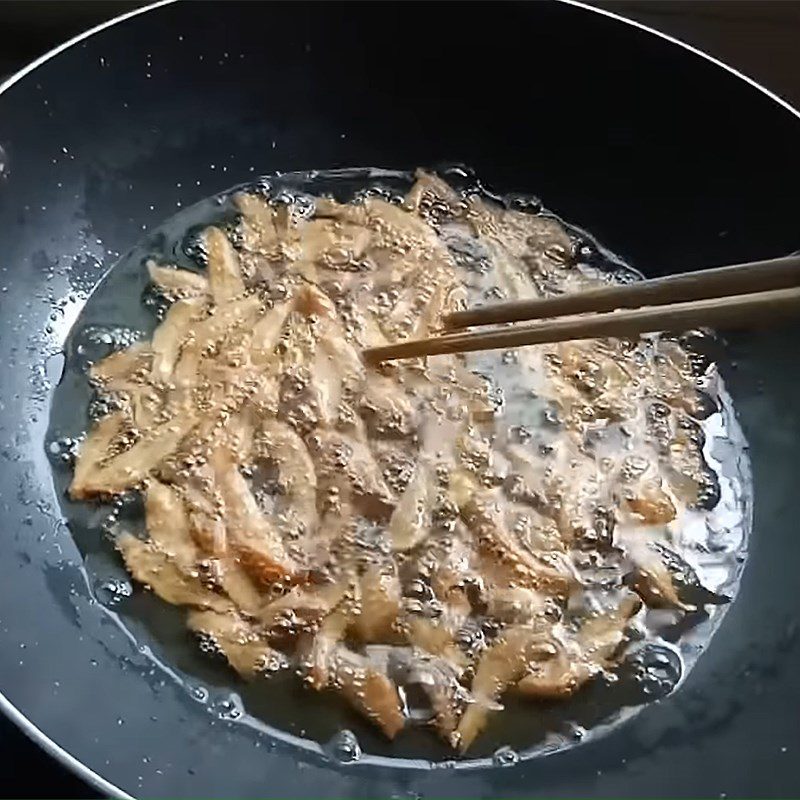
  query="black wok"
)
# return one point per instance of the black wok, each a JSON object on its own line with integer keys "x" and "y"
{"x": 669, "y": 159}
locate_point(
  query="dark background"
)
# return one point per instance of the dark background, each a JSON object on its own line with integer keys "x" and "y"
{"x": 758, "y": 37}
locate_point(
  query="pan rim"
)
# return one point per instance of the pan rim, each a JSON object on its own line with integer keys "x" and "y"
{"x": 62, "y": 756}
{"x": 686, "y": 46}
{"x": 45, "y": 57}
{"x": 26, "y": 725}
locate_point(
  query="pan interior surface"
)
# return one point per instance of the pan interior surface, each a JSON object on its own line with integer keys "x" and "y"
{"x": 666, "y": 158}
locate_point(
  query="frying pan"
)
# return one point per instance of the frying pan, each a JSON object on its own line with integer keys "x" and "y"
{"x": 669, "y": 159}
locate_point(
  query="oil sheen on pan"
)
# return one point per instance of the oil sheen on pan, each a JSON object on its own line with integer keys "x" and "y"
{"x": 493, "y": 555}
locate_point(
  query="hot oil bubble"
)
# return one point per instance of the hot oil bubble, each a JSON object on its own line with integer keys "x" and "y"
{"x": 584, "y": 251}
{"x": 100, "y": 406}
{"x": 95, "y": 342}
{"x": 63, "y": 450}
{"x": 574, "y": 731}
{"x": 657, "y": 670}
{"x": 526, "y": 203}
{"x": 510, "y": 357}
{"x": 194, "y": 246}
{"x": 494, "y": 293}
{"x": 344, "y": 747}
{"x": 208, "y": 645}
{"x": 376, "y": 190}
{"x": 199, "y": 693}
{"x": 557, "y": 253}
{"x": 128, "y": 508}
{"x": 262, "y": 186}
{"x": 304, "y": 206}
{"x": 156, "y": 301}
{"x": 228, "y": 708}
{"x": 113, "y": 591}
{"x": 505, "y": 757}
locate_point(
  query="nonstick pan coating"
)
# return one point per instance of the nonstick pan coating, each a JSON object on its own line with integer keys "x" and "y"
{"x": 670, "y": 160}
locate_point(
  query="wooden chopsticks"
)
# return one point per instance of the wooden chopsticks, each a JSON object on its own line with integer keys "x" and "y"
{"x": 757, "y": 276}
{"x": 745, "y": 295}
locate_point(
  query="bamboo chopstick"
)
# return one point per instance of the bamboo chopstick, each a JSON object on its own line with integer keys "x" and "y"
{"x": 744, "y": 310}
{"x": 776, "y": 273}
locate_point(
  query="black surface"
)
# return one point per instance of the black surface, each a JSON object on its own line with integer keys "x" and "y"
{"x": 30, "y": 30}
{"x": 665, "y": 158}
{"x": 32, "y": 773}
{"x": 33, "y": 27}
